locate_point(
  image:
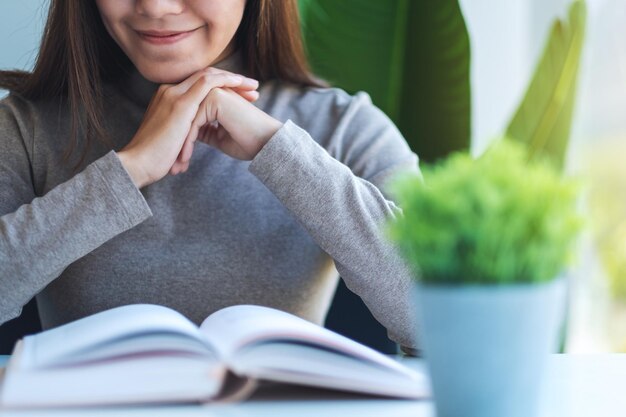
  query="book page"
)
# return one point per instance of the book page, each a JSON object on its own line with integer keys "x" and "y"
{"x": 87, "y": 336}
{"x": 309, "y": 365}
{"x": 136, "y": 381}
{"x": 236, "y": 327}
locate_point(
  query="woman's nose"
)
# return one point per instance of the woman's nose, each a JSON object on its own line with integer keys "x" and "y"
{"x": 159, "y": 8}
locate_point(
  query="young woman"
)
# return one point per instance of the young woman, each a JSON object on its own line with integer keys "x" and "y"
{"x": 179, "y": 152}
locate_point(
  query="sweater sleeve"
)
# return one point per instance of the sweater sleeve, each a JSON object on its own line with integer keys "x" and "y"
{"x": 41, "y": 236}
{"x": 341, "y": 201}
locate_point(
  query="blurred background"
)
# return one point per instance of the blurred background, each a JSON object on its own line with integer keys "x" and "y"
{"x": 506, "y": 40}
{"x": 21, "y": 25}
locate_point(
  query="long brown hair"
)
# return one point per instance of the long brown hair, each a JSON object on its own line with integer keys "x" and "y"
{"x": 77, "y": 55}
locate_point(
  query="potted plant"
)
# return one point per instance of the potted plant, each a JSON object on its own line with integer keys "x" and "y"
{"x": 488, "y": 240}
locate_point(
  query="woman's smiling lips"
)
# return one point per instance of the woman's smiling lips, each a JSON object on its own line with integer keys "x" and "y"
{"x": 164, "y": 37}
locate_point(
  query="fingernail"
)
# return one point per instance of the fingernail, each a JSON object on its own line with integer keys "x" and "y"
{"x": 251, "y": 82}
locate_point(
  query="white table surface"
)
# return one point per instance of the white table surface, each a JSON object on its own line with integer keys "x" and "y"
{"x": 577, "y": 385}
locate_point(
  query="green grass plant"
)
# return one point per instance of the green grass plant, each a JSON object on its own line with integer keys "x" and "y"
{"x": 500, "y": 219}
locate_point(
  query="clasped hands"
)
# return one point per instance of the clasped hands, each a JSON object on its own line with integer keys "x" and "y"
{"x": 213, "y": 106}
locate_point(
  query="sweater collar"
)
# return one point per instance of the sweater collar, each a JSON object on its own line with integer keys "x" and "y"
{"x": 140, "y": 90}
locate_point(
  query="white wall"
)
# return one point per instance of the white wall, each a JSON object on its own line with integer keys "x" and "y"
{"x": 21, "y": 24}
{"x": 507, "y": 38}
{"x": 597, "y": 319}
{"x": 601, "y": 111}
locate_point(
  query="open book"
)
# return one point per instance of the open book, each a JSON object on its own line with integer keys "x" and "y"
{"x": 147, "y": 353}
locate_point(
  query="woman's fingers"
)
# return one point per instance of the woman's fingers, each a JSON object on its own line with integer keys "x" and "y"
{"x": 203, "y": 86}
{"x": 214, "y": 134}
{"x": 187, "y": 151}
{"x": 182, "y": 161}
{"x": 164, "y": 141}
{"x": 246, "y": 83}
{"x": 196, "y": 98}
{"x": 251, "y": 96}
{"x": 222, "y": 141}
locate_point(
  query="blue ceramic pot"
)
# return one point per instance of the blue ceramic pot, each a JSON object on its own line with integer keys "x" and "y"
{"x": 486, "y": 346}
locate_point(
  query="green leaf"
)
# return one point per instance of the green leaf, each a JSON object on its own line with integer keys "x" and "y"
{"x": 543, "y": 119}
{"x": 435, "y": 114}
{"x": 358, "y": 45}
{"x": 412, "y": 57}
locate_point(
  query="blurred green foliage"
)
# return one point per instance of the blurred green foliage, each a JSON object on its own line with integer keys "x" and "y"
{"x": 544, "y": 117}
{"x": 411, "y": 56}
{"x": 498, "y": 219}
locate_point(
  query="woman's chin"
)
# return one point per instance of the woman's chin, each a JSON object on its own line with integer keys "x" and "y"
{"x": 164, "y": 75}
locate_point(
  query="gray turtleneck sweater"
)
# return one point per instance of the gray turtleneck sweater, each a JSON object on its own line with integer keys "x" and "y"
{"x": 277, "y": 231}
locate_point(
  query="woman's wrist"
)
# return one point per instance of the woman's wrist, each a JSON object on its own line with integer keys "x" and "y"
{"x": 136, "y": 173}
{"x": 267, "y": 131}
